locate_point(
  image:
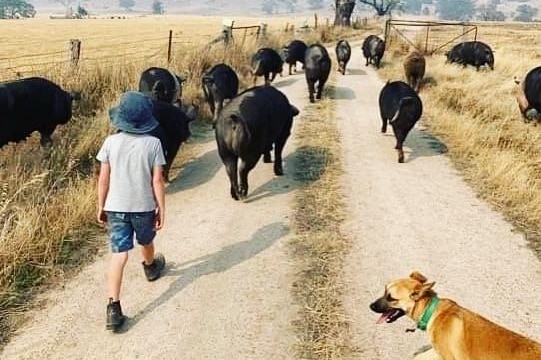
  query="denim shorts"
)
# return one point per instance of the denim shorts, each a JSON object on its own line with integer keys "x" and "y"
{"x": 123, "y": 226}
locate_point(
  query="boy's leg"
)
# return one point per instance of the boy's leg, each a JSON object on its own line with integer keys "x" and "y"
{"x": 114, "y": 277}
{"x": 153, "y": 263}
{"x": 121, "y": 236}
{"x": 114, "y": 316}
{"x": 148, "y": 253}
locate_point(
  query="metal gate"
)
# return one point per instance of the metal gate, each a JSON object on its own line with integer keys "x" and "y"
{"x": 434, "y": 35}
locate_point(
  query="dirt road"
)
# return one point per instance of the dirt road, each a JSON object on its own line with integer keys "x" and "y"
{"x": 227, "y": 290}
{"x": 421, "y": 216}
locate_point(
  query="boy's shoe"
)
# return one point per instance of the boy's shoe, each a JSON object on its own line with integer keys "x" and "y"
{"x": 154, "y": 270}
{"x": 115, "y": 318}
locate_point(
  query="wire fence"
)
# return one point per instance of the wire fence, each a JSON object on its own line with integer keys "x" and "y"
{"x": 103, "y": 51}
{"x": 40, "y": 54}
{"x": 114, "y": 44}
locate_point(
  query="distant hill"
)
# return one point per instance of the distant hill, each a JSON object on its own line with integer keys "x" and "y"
{"x": 196, "y": 7}
{"x": 508, "y": 7}
{"x": 243, "y": 7}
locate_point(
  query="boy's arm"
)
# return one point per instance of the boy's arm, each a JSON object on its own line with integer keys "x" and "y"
{"x": 103, "y": 189}
{"x": 158, "y": 187}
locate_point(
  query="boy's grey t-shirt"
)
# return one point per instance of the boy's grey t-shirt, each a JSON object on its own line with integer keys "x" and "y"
{"x": 131, "y": 158}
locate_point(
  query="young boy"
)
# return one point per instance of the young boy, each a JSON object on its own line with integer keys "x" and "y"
{"x": 131, "y": 194}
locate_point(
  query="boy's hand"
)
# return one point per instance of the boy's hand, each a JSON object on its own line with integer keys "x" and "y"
{"x": 158, "y": 219}
{"x": 102, "y": 217}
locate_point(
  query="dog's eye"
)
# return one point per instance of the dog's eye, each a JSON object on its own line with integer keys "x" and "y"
{"x": 389, "y": 298}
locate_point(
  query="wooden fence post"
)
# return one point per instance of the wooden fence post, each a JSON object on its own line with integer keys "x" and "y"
{"x": 75, "y": 51}
{"x": 227, "y": 30}
{"x": 169, "y": 47}
{"x": 315, "y": 21}
{"x": 426, "y": 39}
{"x": 244, "y": 38}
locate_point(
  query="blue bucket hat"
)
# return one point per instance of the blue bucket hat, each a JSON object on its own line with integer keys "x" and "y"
{"x": 133, "y": 114}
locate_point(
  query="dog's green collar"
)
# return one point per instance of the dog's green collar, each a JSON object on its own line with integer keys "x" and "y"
{"x": 427, "y": 314}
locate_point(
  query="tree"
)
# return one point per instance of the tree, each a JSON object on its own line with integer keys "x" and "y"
{"x": 11, "y": 9}
{"x": 342, "y": 12}
{"x": 455, "y": 9}
{"x": 525, "y": 13}
{"x": 157, "y": 7}
{"x": 490, "y": 13}
{"x": 316, "y": 4}
{"x": 126, "y": 4}
{"x": 382, "y": 7}
{"x": 81, "y": 12}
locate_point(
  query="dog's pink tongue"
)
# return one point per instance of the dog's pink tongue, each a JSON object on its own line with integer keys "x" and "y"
{"x": 383, "y": 318}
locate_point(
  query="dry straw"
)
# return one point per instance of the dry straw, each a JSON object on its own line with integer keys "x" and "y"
{"x": 318, "y": 247}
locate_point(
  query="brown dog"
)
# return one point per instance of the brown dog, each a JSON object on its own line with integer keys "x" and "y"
{"x": 456, "y": 333}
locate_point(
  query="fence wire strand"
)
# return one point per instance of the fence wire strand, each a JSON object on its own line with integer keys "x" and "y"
{"x": 108, "y": 55}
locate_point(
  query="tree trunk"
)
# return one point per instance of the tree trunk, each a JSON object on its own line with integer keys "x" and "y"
{"x": 343, "y": 10}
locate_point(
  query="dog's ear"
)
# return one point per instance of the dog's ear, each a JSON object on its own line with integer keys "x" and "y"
{"x": 418, "y": 276}
{"x": 424, "y": 290}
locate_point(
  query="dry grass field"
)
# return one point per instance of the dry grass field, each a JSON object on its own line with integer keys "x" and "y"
{"x": 37, "y": 45}
{"x": 476, "y": 115}
{"x": 117, "y": 50}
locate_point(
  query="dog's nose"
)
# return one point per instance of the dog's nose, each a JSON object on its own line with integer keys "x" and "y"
{"x": 373, "y": 306}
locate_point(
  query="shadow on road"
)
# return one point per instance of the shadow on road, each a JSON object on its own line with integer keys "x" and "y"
{"x": 355, "y": 72}
{"x": 200, "y": 132}
{"x": 286, "y": 82}
{"x": 196, "y": 172}
{"x": 223, "y": 260}
{"x": 302, "y": 167}
{"x": 340, "y": 93}
{"x": 422, "y": 143}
